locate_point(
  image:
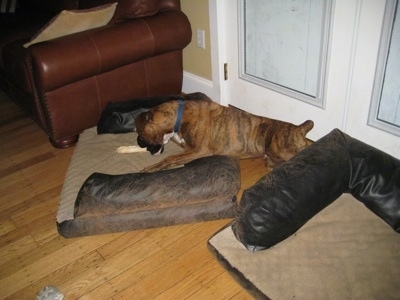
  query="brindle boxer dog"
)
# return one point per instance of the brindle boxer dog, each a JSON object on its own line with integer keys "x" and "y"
{"x": 206, "y": 128}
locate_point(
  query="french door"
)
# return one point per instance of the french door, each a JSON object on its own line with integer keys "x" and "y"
{"x": 354, "y": 38}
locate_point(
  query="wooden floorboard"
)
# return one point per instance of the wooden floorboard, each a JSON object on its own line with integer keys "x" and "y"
{"x": 161, "y": 263}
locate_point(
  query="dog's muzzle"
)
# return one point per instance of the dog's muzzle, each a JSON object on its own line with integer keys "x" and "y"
{"x": 153, "y": 149}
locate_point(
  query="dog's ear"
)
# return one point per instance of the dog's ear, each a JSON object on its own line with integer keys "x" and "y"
{"x": 148, "y": 116}
{"x": 145, "y": 116}
{"x": 306, "y": 127}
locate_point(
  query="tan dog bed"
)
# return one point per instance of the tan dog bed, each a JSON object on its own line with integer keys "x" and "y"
{"x": 344, "y": 252}
{"x": 103, "y": 191}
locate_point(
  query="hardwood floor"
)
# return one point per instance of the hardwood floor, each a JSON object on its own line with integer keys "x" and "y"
{"x": 162, "y": 263}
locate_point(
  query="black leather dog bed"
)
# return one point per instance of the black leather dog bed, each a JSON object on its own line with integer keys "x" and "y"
{"x": 285, "y": 199}
{"x": 104, "y": 192}
{"x": 316, "y": 246}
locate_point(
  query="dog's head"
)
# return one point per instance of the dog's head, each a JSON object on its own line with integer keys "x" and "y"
{"x": 290, "y": 139}
{"x": 153, "y": 149}
{"x": 154, "y": 126}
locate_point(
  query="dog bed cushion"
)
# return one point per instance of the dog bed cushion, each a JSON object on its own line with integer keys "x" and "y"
{"x": 285, "y": 199}
{"x": 103, "y": 191}
{"x": 343, "y": 252}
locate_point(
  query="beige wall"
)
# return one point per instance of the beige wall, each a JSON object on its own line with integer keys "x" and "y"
{"x": 197, "y": 60}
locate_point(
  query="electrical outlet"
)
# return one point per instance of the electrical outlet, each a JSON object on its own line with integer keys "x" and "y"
{"x": 201, "y": 38}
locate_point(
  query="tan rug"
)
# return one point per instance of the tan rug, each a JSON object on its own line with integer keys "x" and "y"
{"x": 344, "y": 252}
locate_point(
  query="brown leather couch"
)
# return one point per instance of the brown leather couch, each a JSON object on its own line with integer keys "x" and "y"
{"x": 64, "y": 84}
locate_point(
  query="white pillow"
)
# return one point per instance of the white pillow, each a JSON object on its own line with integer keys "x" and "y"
{"x": 72, "y": 21}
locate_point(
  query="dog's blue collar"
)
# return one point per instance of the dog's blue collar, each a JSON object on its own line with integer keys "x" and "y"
{"x": 179, "y": 116}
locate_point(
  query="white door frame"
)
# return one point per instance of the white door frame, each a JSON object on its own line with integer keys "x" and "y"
{"x": 218, "y": 45}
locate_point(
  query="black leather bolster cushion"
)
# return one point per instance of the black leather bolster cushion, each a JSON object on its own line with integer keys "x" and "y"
{"x": 204, "y": 189}
{"x": 119, "y": 117}
{"x": 285, "y": 199}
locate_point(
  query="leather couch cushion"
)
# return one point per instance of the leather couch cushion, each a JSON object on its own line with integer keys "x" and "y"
{"x": 105, "y": 50}
{"x": 69, "y": 22}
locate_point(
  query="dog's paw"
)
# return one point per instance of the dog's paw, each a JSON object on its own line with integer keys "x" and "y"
{"x": 130, "y": 149}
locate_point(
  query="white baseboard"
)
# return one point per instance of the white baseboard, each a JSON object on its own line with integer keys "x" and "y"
{"x": 193, "y": 83}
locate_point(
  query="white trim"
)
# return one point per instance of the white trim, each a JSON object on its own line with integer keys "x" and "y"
{"x": 193, "y": 83}
{"x": 218, "y": 51}
{"x": 350, "y": 77}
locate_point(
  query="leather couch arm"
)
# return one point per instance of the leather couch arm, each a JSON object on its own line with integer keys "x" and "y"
{"x": 68, "y": 59}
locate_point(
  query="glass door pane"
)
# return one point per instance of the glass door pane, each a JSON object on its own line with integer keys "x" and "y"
{"x": 385, "y": 112}
{"x": 284, "y": 45}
